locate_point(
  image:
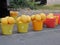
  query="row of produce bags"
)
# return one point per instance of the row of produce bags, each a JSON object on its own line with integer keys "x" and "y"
{"x": 22, "y": 22}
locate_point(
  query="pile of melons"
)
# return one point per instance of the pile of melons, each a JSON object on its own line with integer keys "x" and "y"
{"x": 24, "y": 19}
{"x": 7, "y": 20}
{"x": 13, "y": 13}
{"x": 38, "y": 17}
{"x": 50, "y": 15}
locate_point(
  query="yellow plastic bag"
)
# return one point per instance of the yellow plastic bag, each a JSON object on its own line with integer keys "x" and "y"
{"x": 22, "y": 27}
{"x": 37, "y": 25}
{"x": 7, "y": 29}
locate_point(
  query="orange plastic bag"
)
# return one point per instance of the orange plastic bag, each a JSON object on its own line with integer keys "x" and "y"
{"x": 37, "y": 25}
{"x": 57, "y": 18}
{"x": 58, "y": 14}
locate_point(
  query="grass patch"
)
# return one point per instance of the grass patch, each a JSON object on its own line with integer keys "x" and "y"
{"x": 51, "y": 7}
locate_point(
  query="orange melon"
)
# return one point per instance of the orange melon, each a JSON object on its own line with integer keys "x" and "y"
{"x": 4, "y": 21}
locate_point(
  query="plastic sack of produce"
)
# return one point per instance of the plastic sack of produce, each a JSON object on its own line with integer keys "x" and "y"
{"x": 37, "y": 22}
{"x": 37, "y": 25}
{"x": 50, "y": 20}
{"x": 7, "y": 25}
{"x": 23, "y": 23}
{"x": 51, "y": 23}
{"x": 14, "y": 14}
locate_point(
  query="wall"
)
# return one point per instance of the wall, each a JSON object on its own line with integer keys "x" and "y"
{"x": 50, "y": 2}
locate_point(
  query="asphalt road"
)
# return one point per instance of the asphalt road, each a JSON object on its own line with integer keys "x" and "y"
{"x": 48, "y": 36}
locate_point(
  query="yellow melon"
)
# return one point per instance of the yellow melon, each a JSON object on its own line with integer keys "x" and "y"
{"x": 11, "y": 20}
{"x": 33, "y": 17}
{"x": 13, "y": 13}
{"x": 28, "y": 18}
{"x": 43, "y": 16}
{"x": 4, "y": 21}
{"x": 50, "y": 15}
{"x": 18, "y": 19}
{"x": 20, "y": 22}
{"x": 37, "y": 17}
{"x": 24, "y": 18}
{"x": 7, "y": 17}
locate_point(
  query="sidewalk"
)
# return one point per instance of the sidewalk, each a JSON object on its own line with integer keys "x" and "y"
{"x": 31, "y": 12}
